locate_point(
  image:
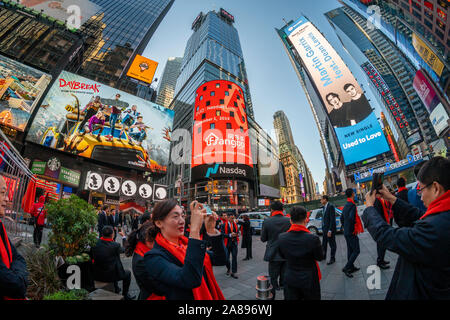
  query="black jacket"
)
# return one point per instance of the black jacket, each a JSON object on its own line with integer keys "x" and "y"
{"x": 246, "y": 234}
{"x": 13, "y": 281}
{"x": 142, "y": 277}
{"x": 403, "y": 195}
{"x": 102, "y": 221}
{"x": 174, "y": 280}
{"x": 301, "y": 251}
{"x": 348, "y": 218}
{"x": 423, "y": 265}
{"x": 271, "y": 229}
{"x": 329, "y": 220}
{"x": 107, "y": 264}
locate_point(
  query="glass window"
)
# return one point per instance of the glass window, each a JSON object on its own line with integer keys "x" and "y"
{"x": 217, "y": 85}
{"x": 201, "y": 98}
{"x": 227, "y": 93}
{"x": 231, "y": 113}
{"x": 319, "y": 215}
{"x": 218, "y": 113}
{"x": 228, "y": 125}
{"x": 208, "y": 103}
{"x": 199, "y": 130}
{"x": 212, "y": 93}
{"x": 203, "y": 115}
{"x": 222, "y": 101}
{"x": 212, "y": 126}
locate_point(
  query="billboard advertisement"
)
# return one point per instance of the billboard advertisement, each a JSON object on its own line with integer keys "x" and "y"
{"x": 427, "y": 54}
{"x": 73, "y": 12}
{"x": 92, "y": 120}
{"x": 221, "y": 144}
{"x": 431, "y": 100}
{"x": 142, "y": 69}
{"x": 356, "y": 126}
{"x": 21, "y": 87}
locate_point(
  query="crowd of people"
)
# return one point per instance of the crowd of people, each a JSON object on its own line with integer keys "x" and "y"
{"x": 173, "y": 253}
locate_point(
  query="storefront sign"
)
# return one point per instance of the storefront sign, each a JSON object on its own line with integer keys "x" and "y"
{"x": 69, "y": 176}
{"x": 111, "y": 185}
{"x": 53, "y": 169}
{"x": 160, "y": 192}
{"x": 129, "y": 188}
{"x": 145, "y": 191}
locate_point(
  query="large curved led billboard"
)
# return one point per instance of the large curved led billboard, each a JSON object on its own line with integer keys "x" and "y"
{"x": 359, "y": 134}
{"x": 86, "y": 118}
{"x": 221, "y": 144}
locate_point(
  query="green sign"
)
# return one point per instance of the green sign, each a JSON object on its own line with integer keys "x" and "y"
{"x": 69, "y": 176}
{"x": 38, "y": 167}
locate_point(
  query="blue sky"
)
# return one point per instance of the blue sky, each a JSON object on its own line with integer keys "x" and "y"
{"x": 273, "y": 82}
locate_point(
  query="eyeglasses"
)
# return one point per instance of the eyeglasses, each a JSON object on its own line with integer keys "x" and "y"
{"x": 420, "y": 190}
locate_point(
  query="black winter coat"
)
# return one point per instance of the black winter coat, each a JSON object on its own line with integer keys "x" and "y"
{"x": 423, "y": 246}
{"x": 329, "y": 220}
{"x": 348, "y": 218}
{"x": 142, "y": 277}
{"x": 107, "y": 265}
{"x": 246, "y": 234}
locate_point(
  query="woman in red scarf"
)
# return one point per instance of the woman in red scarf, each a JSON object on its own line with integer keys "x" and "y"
{"x": 13, "y": 269}
{"x": 301, "y": 250}
{"x": 181, "y": 268}
{"x": 423, "y": 240}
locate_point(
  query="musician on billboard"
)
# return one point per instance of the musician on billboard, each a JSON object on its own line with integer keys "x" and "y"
{"x": 339, "y": 115}
{"x": 359, "y": 106}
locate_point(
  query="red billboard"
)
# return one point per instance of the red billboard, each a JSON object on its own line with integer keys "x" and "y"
{"x": 220, "y": 131}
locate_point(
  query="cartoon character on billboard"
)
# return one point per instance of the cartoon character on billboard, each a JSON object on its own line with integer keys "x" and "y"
{"x": 90, "y": 110}
{"x": 129, "y": 119}
{"x": 141, "y": 133}
{"x": 144, "y": 66}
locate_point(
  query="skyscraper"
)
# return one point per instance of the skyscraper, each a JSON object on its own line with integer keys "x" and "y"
{"x": 168, "y": 81}
{"x": 115, "y": 35}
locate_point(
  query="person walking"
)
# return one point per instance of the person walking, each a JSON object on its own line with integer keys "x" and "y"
{"x": 39, "y": 213}
{"x": 271, "y": 229}
{"x": 181, "y": 268}
{"x": 422, "y": 241}
{"x": 230, "y": 232}
{"x": 352, "y": 227}
{"x": 13, "y": 268}
{"x": 329, "y": 229}
{"x": 246, "y": 230}
{"x": 302, "y": 250}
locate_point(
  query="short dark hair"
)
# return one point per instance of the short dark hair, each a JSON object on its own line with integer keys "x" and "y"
{"x": 107, "y": 231}
{"x": 348, "y": 85}
{"x": 276, "y": 206}
{"x": 325, "y": 197}
{"x": 437, "y": 169}
{"x": 298, "y": 214}
{"x": 401, "y": 182}
{"x": 105, "y": 207}
{"x": 418, "y": 167}
{"x": 333, "y": 95}
{"x": 145, "y": 217}
{"x": 349, "y": 192}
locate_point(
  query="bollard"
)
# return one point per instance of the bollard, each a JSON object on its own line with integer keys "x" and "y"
{"x": 263, "y": 288}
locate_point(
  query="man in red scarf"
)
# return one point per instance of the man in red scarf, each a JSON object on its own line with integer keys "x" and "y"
{"x": 301, "y": 250}
{"x": 423, "y": 240}
{"x": 230, "y": 233}
{"x": 352, "y": 227}
{"x": 13, "y": 268}
{"x": 402, "y": 192}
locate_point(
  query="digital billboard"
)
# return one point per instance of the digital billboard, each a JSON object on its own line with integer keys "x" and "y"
{"x": 356, "y": 126}
{"x": 21, "y": 87}
{"x": 92, "y": 120}
{"x": 142, "y": 69}
{"x": 221, "y": 144}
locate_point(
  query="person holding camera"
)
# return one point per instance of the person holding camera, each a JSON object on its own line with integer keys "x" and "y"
{"x": 422, "y": 241}
{"x": 180, "y": 267}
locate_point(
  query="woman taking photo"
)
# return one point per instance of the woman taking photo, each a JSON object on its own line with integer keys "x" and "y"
{"x": 181, "y": 268}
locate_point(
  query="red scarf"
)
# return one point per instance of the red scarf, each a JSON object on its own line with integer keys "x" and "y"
{"x": 358, "y": 224}
{"x": 441, "y": 204}
{"x": 141, "y": 249}
{"x": 5, "y": 249}
{"x": 276, "y": 213}
{"x": 384, "y": 205}
{"x": 107, "y": 239}
{"x": 203, "y": 292}
{"x": 234, "y": 228}
{"x": 297, "y": 227}
{"x": 401, "y": 189}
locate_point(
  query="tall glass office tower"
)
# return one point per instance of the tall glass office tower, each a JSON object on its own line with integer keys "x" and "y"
{"x": 114, "y": 35}
{"x": 168, "y": 81}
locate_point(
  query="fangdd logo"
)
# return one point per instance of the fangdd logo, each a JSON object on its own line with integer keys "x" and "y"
{"x": 76, "y": 85}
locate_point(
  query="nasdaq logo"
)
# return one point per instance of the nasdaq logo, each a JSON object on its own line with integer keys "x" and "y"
{"x": 212, "y": 171}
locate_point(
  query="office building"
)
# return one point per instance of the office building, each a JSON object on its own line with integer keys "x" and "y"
{"x": 168, "y": 81}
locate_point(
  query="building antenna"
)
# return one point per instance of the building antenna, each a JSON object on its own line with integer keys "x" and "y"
{"x": 284, "y": 20}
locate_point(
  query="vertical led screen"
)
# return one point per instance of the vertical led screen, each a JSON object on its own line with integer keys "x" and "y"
{"x": 93, "y": 120}
{"x": 221, "y": 145}
{"x": 356, "y": 126}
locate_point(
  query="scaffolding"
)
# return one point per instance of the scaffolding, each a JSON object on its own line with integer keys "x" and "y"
{"x": 16, "y": 174}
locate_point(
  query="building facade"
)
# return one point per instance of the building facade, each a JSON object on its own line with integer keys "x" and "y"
{"x": 168, "y": 81}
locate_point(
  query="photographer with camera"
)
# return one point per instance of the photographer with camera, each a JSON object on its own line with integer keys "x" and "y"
{"x": 422, "y": 241}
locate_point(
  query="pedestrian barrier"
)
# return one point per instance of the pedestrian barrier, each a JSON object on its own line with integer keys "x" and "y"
{"x": 263, "y": 288}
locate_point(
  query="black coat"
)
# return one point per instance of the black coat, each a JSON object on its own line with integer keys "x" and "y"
{"x": 271, "y": 229}
{"x": 246, "y": 234}
{"x": 403, "y": 195}
{"x": 348, "y": 218}
{"x": 142, "y": 277}
{"x": 174, "y": 280}
{"x": 107, "y": 264}
{"x": 423, "y": 266}
{"x": 102, "y": 221}
{"x": 13, "y": 281}
{"x": 301, "y": 251}
{"x": 329, "y": 220}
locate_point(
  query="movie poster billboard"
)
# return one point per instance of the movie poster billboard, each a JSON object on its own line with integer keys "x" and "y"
{"x": 220, "y": 132}
{"x": 92, "y": 120}
{"x": 356, "y": 126}
{"x": 21, "y": 87}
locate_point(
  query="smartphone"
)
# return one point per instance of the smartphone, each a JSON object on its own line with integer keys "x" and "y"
{"x": 377, "y": 181}
{"x": 208, "y": 209}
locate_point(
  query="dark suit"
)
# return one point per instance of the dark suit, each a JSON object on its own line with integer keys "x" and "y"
{"x": 329, "y": 224}
{"x": 175, "y": 280}
{"x": 271, "y": 229}
{"x": 108, "y": 266}
{"x": 301, "y": 251}
{"x": 246, "y": 237}
{"x": 348, "y": 219}
{"x": 381, "y": 251}
{"x": 143, "y": 280}
{"x": 13, "y": 281}
{"x": 423, "y": 266}
{"x": 102, "y": 221}
{"x": 232, "y": 246}
{"x": 403, "y": 195}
